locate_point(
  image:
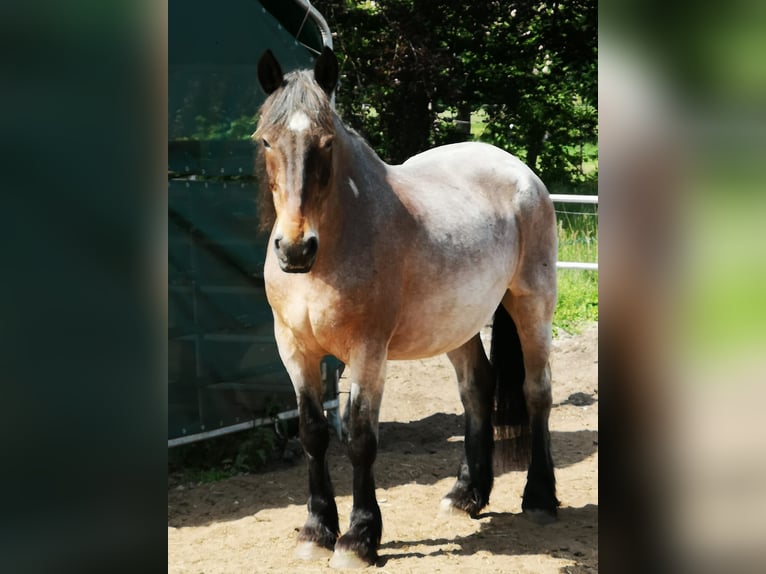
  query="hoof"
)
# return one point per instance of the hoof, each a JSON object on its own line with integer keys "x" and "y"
{"x": 460, "y": 503}
{"x": 310, "y": 551}
{"x": 447, "y": 508}
{"x": 346, "y": 559}
{"x": 540, "y": 516}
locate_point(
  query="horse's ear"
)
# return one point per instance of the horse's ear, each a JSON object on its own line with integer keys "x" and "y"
{"x": 326, "y": 70}
{"x": 269, "y": 72}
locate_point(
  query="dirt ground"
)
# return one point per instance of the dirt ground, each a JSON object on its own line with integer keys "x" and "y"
{"x": 249, "y": 523}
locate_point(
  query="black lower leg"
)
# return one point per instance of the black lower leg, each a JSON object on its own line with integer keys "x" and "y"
{"x": 322, "y": 526}
{"x": 366, "y": 527}
{"x": 475, "y": 477}
{"x": 474, "y": 480}
{"x": 540, "y": 491}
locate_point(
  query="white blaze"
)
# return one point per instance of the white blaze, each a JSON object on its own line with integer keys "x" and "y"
{"x": 299, "y": 122}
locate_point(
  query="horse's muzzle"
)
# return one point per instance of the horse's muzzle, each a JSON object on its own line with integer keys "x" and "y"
{"x": 297, "y": 257}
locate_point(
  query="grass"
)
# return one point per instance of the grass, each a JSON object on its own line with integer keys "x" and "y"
{"x": 578, "y": 289}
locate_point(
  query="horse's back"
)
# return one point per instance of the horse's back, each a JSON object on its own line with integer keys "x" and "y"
{"x": 472, "y": 170}
{"x": 459, "y": 156}
{"x": 472, "y": 184}
{"x": 461, "y": 150}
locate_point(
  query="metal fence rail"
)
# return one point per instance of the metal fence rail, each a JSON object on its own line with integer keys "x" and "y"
{"x": 567, "y": 198}
{"x": 330, "y": 406}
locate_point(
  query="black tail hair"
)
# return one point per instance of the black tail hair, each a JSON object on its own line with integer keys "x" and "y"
{"x": 510, "y": 417}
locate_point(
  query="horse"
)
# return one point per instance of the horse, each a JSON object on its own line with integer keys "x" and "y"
{"x": 371, "y": 262}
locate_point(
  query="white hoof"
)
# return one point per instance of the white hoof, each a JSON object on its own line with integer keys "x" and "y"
{"x": 311, "y": 551}
{"x": 345, "y": 559}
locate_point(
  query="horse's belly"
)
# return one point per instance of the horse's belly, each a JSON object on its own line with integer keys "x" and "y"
{"x": 447, "y": 318}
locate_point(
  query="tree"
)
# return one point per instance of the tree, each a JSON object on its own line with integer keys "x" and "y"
{"x": 545, "y": 99}
{"x": 410, "y": 68}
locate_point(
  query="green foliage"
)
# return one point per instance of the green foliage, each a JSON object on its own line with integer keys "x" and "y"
{"x": 255, "y": 451}
{"x": 414, "y": 73}
{"x": 226, "y": 456}
{"x": 207, "y": 128}
{"x": 530, "y": 69}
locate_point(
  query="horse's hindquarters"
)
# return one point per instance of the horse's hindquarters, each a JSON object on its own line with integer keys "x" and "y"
{"x": 465, "y": 200}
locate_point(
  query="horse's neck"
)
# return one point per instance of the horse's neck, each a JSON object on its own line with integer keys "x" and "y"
{"x": 361, "y": 171}
{"x": 362, "y": 200}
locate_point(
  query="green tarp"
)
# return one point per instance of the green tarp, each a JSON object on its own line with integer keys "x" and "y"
{"x": 223, "y": 366}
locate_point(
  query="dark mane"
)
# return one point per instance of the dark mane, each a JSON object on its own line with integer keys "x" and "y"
{"x": 267, "y": 215}
{"x": 299, "y": 92}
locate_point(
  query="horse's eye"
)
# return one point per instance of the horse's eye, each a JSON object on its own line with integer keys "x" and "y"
{"x": 266, "y": 144}
{"x": 327, "y": 144}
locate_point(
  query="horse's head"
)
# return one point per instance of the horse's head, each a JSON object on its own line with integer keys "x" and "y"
{"x": 295, "y": 134}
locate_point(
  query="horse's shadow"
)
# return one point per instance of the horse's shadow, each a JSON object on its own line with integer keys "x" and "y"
{"x": 507, "y": 534}
{"x": 431, "y": 449}
{"x": 422, "y": 452}
{"x": 436, "y": 442}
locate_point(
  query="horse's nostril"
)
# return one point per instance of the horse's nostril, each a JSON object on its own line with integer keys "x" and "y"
{"x": 311, "y": 246}
{"x": 277, "y": 241}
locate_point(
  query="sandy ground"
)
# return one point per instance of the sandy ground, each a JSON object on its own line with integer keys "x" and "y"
{"x": 249, "y": 523}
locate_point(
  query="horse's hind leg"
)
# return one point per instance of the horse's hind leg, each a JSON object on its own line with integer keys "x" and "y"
{"x": 532, "y": 312}
{"x": 474, "y": 482}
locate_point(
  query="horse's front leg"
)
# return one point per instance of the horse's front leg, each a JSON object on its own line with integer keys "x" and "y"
{"x": 318, "y": 536}
{"x": 358, "y": 547}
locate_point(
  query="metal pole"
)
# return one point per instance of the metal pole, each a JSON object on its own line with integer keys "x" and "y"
{"x": 259, "y": 422}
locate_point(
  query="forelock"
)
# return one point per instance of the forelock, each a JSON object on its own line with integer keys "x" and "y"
{"x": 300, "y": 94}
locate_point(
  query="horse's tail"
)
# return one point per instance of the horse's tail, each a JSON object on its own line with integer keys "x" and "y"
{"x": 510, "y": 417}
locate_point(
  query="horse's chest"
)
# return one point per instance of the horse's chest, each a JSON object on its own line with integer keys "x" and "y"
{"x": 322, "y": 318}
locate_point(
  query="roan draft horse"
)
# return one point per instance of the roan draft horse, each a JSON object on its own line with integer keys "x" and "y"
{"x": 369, "y": 262}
